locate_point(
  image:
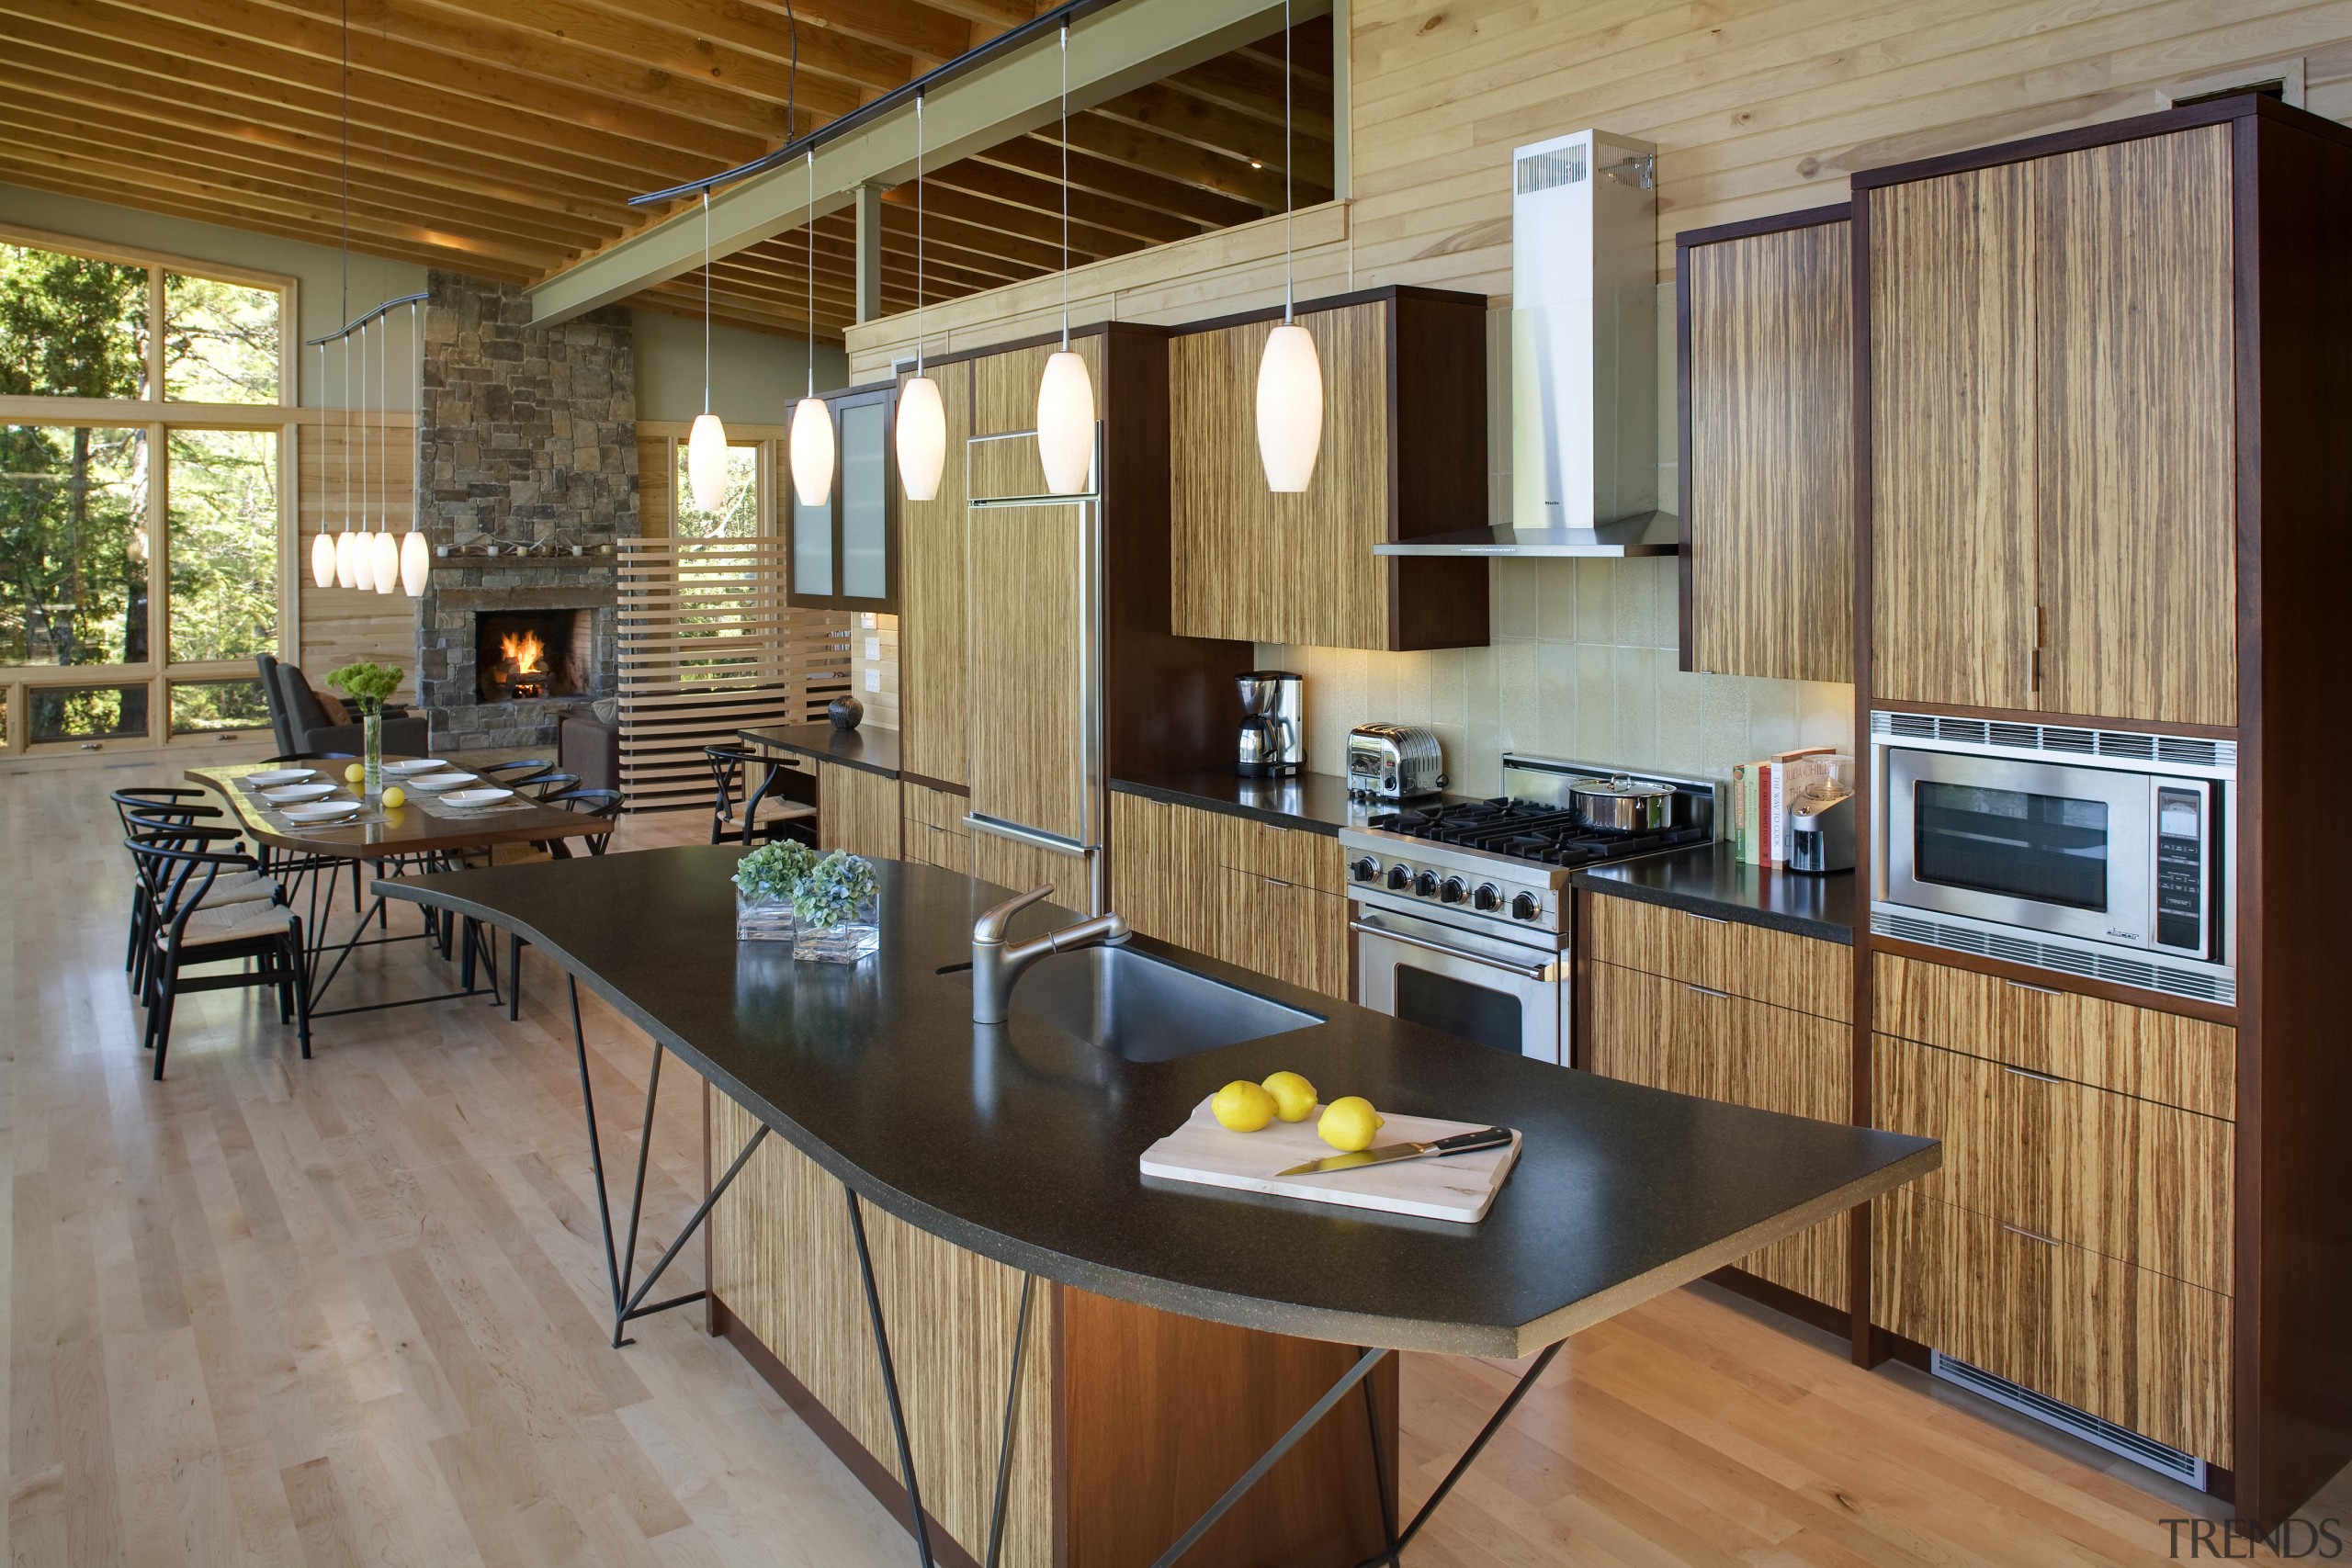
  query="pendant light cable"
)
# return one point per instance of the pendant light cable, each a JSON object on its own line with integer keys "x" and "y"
{"x": 1290, "y": 200}
{"x": 918, "y": 289}
{"x": 792, "y": 115}
{"x": 705, "y": 298}
{"x": 1066, "y": 182}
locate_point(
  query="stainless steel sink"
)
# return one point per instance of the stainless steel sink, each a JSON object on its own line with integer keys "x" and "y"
{"x": 1140, "y": 1008}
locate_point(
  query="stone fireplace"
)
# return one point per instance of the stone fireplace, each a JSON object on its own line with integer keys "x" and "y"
{"x": 526, "y": 463}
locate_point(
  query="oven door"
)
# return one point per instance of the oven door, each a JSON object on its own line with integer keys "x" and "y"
{"x": 2045, "y": 846}
{"x": 1462, "y": 982}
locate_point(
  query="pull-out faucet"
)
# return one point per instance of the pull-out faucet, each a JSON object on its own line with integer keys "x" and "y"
{"x": 995, "y": 966}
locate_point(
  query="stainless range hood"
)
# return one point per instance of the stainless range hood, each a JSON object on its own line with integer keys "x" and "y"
{"x": 1583, "y": 358}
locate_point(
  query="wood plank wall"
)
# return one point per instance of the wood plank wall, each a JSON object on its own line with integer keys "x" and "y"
{"x": 340, "y": 624}
{"x": 1755, "y": 110}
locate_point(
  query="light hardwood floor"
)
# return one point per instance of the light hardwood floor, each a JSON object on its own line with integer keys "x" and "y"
{"x": 347, "y": 1312}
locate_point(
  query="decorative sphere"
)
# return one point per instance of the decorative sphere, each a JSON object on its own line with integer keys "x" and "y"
{"x": 845, "y": 711}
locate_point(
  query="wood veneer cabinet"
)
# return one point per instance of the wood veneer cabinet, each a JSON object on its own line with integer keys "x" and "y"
{"x": 935, "y": 833}
{"x": 933, "y": 683}
{"x": 857, "y": 812}
{"x": 1766, "y": 342}
{"x": 1404, "y": 455}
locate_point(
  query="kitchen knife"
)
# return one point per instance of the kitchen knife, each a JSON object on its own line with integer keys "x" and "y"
{"x": 1460, "y": 1144}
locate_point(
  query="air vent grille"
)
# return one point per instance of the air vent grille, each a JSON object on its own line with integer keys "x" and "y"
{"x": 2084, "y": 959}
{"x": 1543, "y": 171}
{"x": 2186, "y": 1469}
{"x": 2179, "y": 750}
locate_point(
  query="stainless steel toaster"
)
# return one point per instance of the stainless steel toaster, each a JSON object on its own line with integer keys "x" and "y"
{"x": 1393, "y": 762}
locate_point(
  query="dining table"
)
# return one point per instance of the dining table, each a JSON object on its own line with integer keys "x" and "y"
{"x": 428, "y": 833}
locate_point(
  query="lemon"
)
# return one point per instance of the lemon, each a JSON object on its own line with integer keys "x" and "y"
{"x": 1349, "y": 1124}
{"x": 1293, "y": 1096}
{"x": 354, "y": 773}
{"x": 395, "y": 796}
{"x": 1243, "y": 1106}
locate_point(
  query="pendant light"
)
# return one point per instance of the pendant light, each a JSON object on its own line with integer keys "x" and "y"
{"x": 922, "y": 419}
{"x": 707, "y": 445}
{"x": 344, "y": 577}
{"x": 1066, "y": 395}
{"x": 812, "y": 422}
{"x": 416, "y": 556}
{"x": 363, "y": 545}
{"x": 323, "y": 548}
{"x": 387, "y": 548}
{"x": 1290, "y": 375}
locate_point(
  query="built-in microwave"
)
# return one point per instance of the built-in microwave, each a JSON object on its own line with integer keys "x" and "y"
{"x": 2106, "y": 854}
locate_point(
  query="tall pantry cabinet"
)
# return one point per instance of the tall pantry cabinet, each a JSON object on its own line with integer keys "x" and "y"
{"x": 2102, "y": 380}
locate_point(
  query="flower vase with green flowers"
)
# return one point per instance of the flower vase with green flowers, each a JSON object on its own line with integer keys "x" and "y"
{"x": 838, "y": 906}
{"x": 367, "y": 685}
{"x": 764, "y": 882}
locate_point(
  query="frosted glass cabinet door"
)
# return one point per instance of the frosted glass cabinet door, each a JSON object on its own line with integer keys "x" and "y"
{"x": 843, "y": 552}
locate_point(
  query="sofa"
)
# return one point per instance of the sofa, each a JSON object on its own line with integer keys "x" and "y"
{"x": 302, "y": 727}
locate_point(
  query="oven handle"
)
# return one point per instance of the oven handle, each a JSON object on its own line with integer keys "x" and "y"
{"x": 1537, "y": 972}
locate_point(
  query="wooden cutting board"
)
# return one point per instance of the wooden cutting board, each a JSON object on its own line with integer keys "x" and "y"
{"x": 1458, "y": 1187}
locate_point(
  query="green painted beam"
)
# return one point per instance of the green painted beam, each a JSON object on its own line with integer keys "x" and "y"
{"x": 1113, "y": 50}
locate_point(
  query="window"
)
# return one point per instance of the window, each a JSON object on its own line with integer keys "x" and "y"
{"x": 140, "y": 540}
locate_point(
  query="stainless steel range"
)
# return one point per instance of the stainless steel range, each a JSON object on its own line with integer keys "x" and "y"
{"x": 1461, "y": 913}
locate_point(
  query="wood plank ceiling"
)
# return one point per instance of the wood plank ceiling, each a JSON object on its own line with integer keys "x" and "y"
{"x": 504, "y": 141}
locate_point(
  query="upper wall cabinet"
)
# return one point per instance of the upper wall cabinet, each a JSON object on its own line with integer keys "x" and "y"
{"x": 1404, "y": 455}
{"x": 844, "y": 549}
{"x": 1766, "y": 350}
{"x": 2052, "y": 432}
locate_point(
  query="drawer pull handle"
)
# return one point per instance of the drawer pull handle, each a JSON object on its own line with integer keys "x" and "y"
{"x": 1710, "y": 991}
{"x": 2029, "y": 1073}
{"x": 2030, "y": 1236}
{"x": 1276, "y": 882}
{"x": 2037, "y": 990}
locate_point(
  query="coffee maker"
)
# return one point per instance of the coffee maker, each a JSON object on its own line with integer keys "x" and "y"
{"x": 1273, "y": 743}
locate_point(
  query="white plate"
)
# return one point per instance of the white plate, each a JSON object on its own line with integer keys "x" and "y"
{"x": 440, "y": 781}
{"x": 415, "y": 765}
{"x": 324, "y": 811}
{"x": 478, "y": 797}
{"x": 278, "y": 776}
{"x": 297, "y": 792}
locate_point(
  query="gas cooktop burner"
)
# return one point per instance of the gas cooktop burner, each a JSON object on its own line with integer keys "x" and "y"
{"x": 1531, "y": 830}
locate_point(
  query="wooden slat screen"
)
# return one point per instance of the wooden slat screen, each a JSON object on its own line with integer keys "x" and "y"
{"x": 708, "y": 647}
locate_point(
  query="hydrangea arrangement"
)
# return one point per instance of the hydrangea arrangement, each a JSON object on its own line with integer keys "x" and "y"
{"x": 366, "y": 684}
{"x": 774, "y": 871}
{"x": 834, "y": 891}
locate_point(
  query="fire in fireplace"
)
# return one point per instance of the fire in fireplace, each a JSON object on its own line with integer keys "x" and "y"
{"x": 521, "y": 655}
{"x": 525, "y": 659}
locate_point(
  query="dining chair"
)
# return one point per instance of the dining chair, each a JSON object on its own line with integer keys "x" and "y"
{"x": 516, "y": 772}
{"x": 604, "y": 803}
{"x": 729, "y": 771}
{"x": 178, "y": 876}
{"x": 168, "y": 805}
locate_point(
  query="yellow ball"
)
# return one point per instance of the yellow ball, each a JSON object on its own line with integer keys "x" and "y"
{"x": 1349, "y": 1124}
{"x": 1243, "y": 1106}
{"x": 354, "y": 773}
{"x": 1293, "y": 1096}
{"x": 395, "y": 796}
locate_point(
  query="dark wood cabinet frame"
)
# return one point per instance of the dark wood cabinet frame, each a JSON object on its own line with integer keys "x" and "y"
{"x": 886, "y": 394}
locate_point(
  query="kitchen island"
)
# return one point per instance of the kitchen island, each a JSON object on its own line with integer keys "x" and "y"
{"x": 881, "y": 1255}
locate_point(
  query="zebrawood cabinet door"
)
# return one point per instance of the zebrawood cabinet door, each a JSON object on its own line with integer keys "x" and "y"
{"x": 1287, "y": 929}
{"x": 1164, "y": 871}
{"x": 1009, "y": 863}
{"x": 857, "y": 812}
{"x": 1771, "y": 400}
{"x": 934, "y": 688}
{"x": 1026, "y": 726}
{"x": 1954, "y": 439}
{"x": 936, "y": 834}
{"x": 2138, "y": 443}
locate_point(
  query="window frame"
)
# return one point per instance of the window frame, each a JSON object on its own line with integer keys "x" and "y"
{"x": 158, "y": 416}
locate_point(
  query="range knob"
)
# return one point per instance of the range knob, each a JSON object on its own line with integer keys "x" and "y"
{"x": 1487, "y": 898}
{"x": 1365, "y": 869}
{"x": 1525, "y": 907}
{"x": 1425, "y": 885}
{"x": 1400, "y": 877}
{"x": 1454, "y": 891}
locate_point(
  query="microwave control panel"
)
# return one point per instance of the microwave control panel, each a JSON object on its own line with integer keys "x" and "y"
{"x": 2180, "y": 870}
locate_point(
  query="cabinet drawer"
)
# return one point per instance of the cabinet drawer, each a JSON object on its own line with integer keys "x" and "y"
{"x": 2143, "y": 1183}
{"x": 2185, "y": 1062}
{"x": 1286, "y": 930}
{"x": 931, "y": 845}
{"x": 1748, "y": 961}
{"x": 2139, "y": 1348}
{"x": 857, "y": 812}
{"x": 1664, "y": 1033}
{"x": 1009, "y": 862}
{"x": 1285, "y": 855}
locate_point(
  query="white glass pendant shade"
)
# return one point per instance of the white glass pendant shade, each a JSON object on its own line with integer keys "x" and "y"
{"x": 323, "y": 560}
{"x": 1066, "y": 423}
{"x": 706, "y": 462}
{"x": 387, "y": 562}
{"x": 1290, "y": 408}
{"x": 416, "y": 564}
{"x": 922, "y": 438}
{"x": 343, "y": 569}
{"x": 812, "y": 451}
{"x": 363, "y": 561}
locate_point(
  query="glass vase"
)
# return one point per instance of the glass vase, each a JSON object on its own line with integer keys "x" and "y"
{"x": 371, "y": 725}
{"x": 761, "y": 918}
{"x": 844, "y": 941}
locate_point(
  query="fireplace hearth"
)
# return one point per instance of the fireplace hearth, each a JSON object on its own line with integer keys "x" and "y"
{"x": 527, "y": 654}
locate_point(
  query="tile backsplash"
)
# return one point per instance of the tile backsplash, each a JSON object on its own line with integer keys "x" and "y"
{"x": 1582, "y": 665}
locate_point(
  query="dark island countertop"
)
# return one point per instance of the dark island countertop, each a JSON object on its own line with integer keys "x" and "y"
{"x": 874, "y": 750}
{"x": 1711, "y": 881}
{"x": 1021, "y": 1143}
{"x": 1313, "y": 803}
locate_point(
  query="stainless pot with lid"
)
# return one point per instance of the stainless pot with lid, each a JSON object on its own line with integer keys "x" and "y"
{"x": 1623, "y": 805}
